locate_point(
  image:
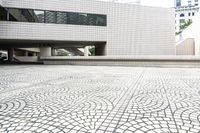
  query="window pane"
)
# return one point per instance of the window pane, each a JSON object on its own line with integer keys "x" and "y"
{"x": 98, "y": 20}
{"x": 14, "y": 14}
{"x": 3, "y": 14}
{"x": 182, "y": 15}
{"x": 83, "y": 19}
{"x": 101, "y": 20}
{"x": 72, "y": 18}
{"x": 61, "y": 18}
{"x": 39, "y": 16}
{"x": 91, "y": 19}
{"x": 193, "y": 14}
{"x": 182, "y": 20}
{"x": 50, "y": 17}
{"x": 27, "y": 15}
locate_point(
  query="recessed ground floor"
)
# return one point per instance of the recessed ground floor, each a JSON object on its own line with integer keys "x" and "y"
{"x": 44, "y": 98}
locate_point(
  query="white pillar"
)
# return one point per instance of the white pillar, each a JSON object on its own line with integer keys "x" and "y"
{"x": 26, "y": 53}
{"x": 86, "y": 51}
{"x": 45, "y": 51}
{"x": 53, "y": 51}
{"x": 34, "y": 54}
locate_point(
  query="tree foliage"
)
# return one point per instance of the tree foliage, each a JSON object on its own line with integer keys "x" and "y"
{"x": 184, "y": 26}
{"x": 92, "y": 51}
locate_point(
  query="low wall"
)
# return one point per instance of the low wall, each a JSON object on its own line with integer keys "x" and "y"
{"x": 136, "y": 61}
{"x": 27, "y": 58}
{"x": 186, "y": 47}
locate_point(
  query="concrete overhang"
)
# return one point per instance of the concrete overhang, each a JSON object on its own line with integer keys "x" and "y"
{"x": 5, "y": 43}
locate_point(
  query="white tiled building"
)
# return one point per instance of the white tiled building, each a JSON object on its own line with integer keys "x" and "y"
{"x": 114, "y": 28}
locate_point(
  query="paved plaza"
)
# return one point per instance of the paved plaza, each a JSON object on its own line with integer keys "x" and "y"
{"x": 96, "y": 99}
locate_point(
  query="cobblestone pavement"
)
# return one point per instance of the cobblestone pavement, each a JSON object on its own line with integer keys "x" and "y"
{"x": 85, "y": 99}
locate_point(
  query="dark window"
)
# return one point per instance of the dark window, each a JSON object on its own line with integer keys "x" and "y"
{"x": 27, "y": 15}
{"x": 100, "y": 20}
{"x": 193, "y": 14}
{"x": 178, "y": 3}
{"x": 86, "y": 19}
{"x": 83, "y": 19}
{"x": 72, "y": 18}
{"x": 3, "y": 14}
{"x": 14, "y": 14}
{"x": 189, "y": 14}
{"x": 182, "y": 15}
{"x": 50, "y": 17}
{"x": 61, "y": 18}
{"x": 182, "y": 20}
{"x": 91, "y": 19}
{"x": 39, "y": 16}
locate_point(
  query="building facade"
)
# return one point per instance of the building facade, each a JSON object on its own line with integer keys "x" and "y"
{"x": 189, "y": 44}
{"x": 185, "y": 10}
{"x": 113, "y": 28}
{"x": 129, "y": 1}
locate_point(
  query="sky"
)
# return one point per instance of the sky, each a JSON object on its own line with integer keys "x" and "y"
{"x": 157, "y": 3}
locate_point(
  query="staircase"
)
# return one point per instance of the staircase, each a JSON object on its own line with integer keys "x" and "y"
{"x": 74, "y": 51}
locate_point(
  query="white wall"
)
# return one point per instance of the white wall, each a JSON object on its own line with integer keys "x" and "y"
{"x": 41, "y": 31}
{"x": 141, "y": 30}
{"x": 131, "y": 29}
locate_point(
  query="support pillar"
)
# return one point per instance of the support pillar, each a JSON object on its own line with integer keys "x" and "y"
{"x": 11, "y": 54}
{"x": 86, "y": 51}
{"x": 26, "y": 53}
{"x": 34, "y": 54}
{"x": 45, "y": 51}
{"x": 53, "y": 51}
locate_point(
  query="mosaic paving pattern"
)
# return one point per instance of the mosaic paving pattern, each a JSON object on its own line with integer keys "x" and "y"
{"x": 61, "y": 99}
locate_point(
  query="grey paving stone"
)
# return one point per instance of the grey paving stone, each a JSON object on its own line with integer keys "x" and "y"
{"x": 88, "y": 99}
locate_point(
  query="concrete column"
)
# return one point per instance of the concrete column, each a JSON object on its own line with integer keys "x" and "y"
{"x": 45, "y": 51}
{"x": 86, "y": 51}
{"x": 11, "y": 54}
{"x": 34, "y": 54}
{"x": 26, "y": 53}
{"x": 53, "y": 51}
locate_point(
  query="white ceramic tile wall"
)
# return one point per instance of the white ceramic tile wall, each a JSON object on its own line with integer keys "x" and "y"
{"x": 131, "y": 29}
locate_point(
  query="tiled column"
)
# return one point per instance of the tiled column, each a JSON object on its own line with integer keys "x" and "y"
{"x": 45, "y": 51}
{"x": 86, "y": 51}
{"x": 53, "y": 51}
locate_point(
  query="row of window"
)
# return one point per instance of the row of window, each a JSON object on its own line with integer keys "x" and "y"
{"x": 178, "y": 3}
{"x": 189, "y": 14}
{"x": 181, "y": 21}
{"x": 44, "y": 16}
{"x": 183, "y": 15}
